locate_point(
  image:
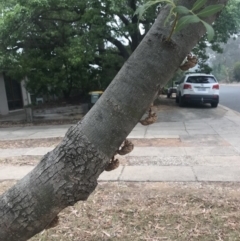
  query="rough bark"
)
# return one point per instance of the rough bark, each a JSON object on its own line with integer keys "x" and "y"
{"x": 69, "y": 173}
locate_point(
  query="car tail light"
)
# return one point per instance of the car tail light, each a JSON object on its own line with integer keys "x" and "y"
{"x": 187, "y": 86}
{"x": 216, "y": 87}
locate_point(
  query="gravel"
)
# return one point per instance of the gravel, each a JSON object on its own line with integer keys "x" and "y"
{"x": 163, "y": 161}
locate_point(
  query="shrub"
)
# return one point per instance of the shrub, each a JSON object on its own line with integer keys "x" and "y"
{"x": 236, "y": 71}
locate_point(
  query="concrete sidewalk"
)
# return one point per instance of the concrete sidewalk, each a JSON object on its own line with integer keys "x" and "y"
{"x": 206, "y": 149}
{"x": 149, "y": 173}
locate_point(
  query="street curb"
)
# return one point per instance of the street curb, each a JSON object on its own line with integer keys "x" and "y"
{"x": 228, "y": 109}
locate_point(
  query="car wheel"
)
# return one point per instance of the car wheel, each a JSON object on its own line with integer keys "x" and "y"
{"x": 177, "y": 99}
{"x": 214, "y": 105}
{"x": 181, "y": 101}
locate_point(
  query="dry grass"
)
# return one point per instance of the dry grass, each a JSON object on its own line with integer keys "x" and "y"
{"x": 205, "y": 140}
{"x": 54, "y": 141}
{"x": 20, "y": 160}
{"x": 151, "y": 212}
{"x": 26, "y": 143}
{"x": 23, "y": 123}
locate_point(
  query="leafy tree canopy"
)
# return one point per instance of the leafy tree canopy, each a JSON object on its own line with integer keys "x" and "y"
{"x": 67, "y": 46}
{"x": 227, "y": 24}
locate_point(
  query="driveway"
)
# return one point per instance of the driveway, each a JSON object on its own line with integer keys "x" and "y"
{"x": 169, "y": 111}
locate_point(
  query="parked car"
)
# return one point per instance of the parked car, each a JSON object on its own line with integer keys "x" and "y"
{"x": 198, "y": 88}
{"x": 171, "y": 90}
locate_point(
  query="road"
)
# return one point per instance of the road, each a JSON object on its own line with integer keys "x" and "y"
{"x": 230, "y": 96}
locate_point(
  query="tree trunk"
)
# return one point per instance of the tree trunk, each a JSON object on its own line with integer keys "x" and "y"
{"x": 69, "y": 173}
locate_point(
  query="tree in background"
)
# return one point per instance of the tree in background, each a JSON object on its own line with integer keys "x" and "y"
{"x": 76, "y": 46}
{"x": 68, "y": 45}
{"x": 223, "y": 63}
{"x": 41, "y": 40}
{"x": 236, "y": 71}
{"x": 226, "y": 26}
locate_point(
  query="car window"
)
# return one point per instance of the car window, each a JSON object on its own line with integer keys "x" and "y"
{"x": 201, "y": 79}
{"x": 181, "y": 80}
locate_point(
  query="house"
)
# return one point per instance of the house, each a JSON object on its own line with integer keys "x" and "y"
{"x": 13, "y": 94}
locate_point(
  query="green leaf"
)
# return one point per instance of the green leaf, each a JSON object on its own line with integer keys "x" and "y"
{"x": 140, "y": 11}
{"x": 210, "y": 31}
{"x": 181, "y": 10}
{"x": 168, "y": 17}
{"x": 184, "y": 21}
{"x": 210, "y": 10}
{"x": 198, "y": 4}
{"x": 143, "y": 8}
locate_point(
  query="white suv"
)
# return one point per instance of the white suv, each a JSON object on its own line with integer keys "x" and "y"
{"x": 198, "y": 88}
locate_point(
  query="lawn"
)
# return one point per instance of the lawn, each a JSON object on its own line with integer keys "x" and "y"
{"x": 151, "y": 212}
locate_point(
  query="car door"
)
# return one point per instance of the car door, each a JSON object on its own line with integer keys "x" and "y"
{"x": 180, "y": 85}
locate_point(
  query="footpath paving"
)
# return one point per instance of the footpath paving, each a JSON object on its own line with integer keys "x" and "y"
{"x": 188, "y": 150}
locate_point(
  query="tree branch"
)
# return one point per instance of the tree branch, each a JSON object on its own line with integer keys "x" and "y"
{"x": 70, "y": 172}
{"x": 124, "y": 53}
{"x": 61, "y": 20}
{"x": 124, "y": 20}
